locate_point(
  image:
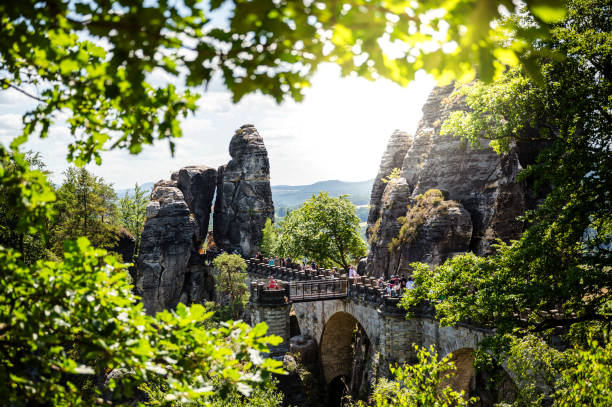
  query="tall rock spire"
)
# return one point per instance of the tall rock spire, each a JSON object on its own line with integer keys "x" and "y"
{"x": 244, "y": 196}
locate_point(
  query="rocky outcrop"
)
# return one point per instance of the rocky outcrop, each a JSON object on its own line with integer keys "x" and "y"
{"x": 393, "y": 157}
{"x": 166, "y": 246}
{"x": 198, "y": 183}
{"x": 443, "y": 234}
{"x": 170, "y": 268}
{"x": 381, "y": 260}
{"x": 244, "y": 196}
{"x": 482, "y": 185}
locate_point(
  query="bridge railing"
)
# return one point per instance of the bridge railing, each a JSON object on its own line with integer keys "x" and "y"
{"x": 320, "y": 284}
{"x": 317, "y": 290}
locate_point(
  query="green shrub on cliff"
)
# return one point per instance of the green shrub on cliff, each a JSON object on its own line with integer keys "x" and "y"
{"x": 426, "y": 205}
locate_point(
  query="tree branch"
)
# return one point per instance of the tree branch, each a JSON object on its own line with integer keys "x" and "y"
{"x": 18, "y": 89}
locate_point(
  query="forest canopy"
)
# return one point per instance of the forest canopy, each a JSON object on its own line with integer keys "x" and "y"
{"x": 92, "y": 59}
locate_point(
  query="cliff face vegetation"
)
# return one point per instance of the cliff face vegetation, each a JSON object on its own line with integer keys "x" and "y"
{"x": 450, "y": 197}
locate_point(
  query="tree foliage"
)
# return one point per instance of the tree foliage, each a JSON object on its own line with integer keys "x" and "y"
{"x": 422, "y": 384}
{"x": 32, "y": 246}
{"x": 63, "y": 321}
{"x": 86, "y": 206}
{"x": 557, "y": 278}
{"x": 324, "y": 229}
{"x": 269, "y": 239}
{"x": 93, "y": 64}
{"x": 589, "y": 378}
{"x": 265, "y": 396}
{"x": 230, "y": 282}
{"x": 132, "y": 213}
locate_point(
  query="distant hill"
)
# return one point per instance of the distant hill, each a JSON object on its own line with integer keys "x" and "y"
{"x": 295, "y": 195}
{"x": 147, "y": 186}
{"x": 292, "y": 196}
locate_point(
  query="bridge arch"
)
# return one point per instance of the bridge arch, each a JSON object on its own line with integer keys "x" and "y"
{"x": 464, "y": 377}
{"x": 336, "y": 345}
{"x": 474, "y": 383}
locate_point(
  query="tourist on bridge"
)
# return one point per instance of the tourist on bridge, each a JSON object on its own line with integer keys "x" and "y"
{"x": 272, "y": 284}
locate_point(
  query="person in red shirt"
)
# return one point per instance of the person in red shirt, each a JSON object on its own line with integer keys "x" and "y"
{"x": 272, "y": 284}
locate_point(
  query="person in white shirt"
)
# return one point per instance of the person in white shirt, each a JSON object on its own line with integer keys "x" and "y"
{"x": 410, "y": 284}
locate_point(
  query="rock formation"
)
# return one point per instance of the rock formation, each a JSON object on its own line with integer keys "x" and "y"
{"x": 244, "y": 196}
{"x": 393, "y": 157}
{"x": 198, "y": 182}
{"x": 482, "y": 196}
{"x": 170, "y": 268}
{"x": 166, "y": 245}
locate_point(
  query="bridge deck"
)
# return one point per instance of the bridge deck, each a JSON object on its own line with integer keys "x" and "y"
{"x": 318, "y": 290}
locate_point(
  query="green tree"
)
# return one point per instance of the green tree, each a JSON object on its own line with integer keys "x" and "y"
{"x": 589, "y": 377}
{"x": 422, "y": 384}
{"x": 271, "y": 46}
{"x": 61, "y": 322}
{"x": 32, "y": 246}
{"x": 132, "y": 213}
{"x": 269, "y": 239}
{"x": 230, "y": 282}
{"x": 86, "y": 207}
{"x": 562, "y": 260}
{"x": 324, "y": 229}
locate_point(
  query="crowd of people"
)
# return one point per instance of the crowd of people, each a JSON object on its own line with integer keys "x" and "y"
{"x": 394, "y": 287}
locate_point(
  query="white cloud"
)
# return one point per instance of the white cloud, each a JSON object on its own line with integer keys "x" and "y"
{"x": 339, "y": 131}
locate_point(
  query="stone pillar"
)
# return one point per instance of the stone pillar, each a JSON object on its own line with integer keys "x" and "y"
{"x": 272, "y": 307}
{"x": 397, "y": 335}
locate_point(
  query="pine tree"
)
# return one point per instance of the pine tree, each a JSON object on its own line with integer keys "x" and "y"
{"x": 85, "y": 207}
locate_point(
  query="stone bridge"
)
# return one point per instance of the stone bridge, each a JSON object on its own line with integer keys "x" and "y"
{"x": 330, "y": 309}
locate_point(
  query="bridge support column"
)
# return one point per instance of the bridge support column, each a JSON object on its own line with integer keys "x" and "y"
{"x": 397, "y": 335}
{"x": 272, "y": 307}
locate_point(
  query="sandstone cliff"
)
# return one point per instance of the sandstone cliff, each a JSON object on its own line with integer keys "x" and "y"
{"x": 170, "y": 268}
{"x": 165, "y": 248}
{"x": 244, "y": 196}
{"x": 393, "y": 157}
{"x": 480, "y": 195}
